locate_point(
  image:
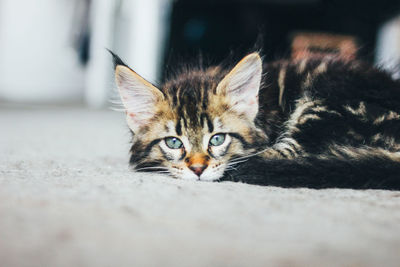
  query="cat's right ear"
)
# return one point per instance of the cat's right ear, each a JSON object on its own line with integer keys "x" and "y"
{"x": 138, "y": 96}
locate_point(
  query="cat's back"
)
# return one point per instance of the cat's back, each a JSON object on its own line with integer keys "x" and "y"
{"x": 328, "y": 78}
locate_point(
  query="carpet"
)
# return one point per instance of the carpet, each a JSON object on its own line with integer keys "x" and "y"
{"x": 68, "y": 198}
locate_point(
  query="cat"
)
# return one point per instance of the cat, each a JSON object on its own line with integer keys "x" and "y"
{"x": 318, "y": 122}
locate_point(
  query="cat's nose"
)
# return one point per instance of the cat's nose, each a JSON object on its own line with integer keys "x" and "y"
{"x": 198, "y": 168}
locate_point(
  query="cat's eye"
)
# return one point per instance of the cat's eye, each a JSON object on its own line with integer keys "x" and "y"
{"x": 217, "y": 139}
{"x": 173, "y": 142}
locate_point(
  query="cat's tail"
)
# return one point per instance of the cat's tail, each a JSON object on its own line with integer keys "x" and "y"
{"x": 354, "y": 168}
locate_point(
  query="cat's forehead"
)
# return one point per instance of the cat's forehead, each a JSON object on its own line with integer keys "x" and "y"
{"x": 191, "y": 80}
{"x": 189, "y": 95}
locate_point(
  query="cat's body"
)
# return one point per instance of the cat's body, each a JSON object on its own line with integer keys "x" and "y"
{"x": 317, "y": 122}
{"x": 337, "y": 125}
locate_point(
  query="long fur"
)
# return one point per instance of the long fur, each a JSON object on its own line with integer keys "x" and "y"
{"x": 370, "y": 172}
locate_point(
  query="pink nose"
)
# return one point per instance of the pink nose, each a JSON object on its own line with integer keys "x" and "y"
{"x": 198, "y": 169}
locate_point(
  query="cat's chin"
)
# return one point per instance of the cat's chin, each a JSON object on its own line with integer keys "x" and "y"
{"x": 205, "y": 177}
{"x": 201, "y": 178}
{"x": 209, "y": 179}
{"x": 211, "y": 176}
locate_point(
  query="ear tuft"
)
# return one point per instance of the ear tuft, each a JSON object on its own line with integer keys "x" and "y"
{"x": 241, "y": 86}
{"x": 116, "y": 59}
{"x": 138, "y": 96}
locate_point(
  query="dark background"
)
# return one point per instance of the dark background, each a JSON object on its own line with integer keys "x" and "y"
{"x": 217, "y": 29}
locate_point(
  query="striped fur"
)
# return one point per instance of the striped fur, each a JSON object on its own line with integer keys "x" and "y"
{"x": 321, "y": 122}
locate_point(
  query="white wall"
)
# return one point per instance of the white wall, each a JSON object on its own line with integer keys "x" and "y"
{"x": 136, "y": 31}
{"x": 37, "y": 62}
{"x": 388, "y": 46}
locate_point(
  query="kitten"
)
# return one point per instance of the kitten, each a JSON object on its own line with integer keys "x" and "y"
{"x": 316, "y": 122}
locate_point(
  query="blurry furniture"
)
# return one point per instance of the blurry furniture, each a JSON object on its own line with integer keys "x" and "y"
{"x": 323, "y": 44}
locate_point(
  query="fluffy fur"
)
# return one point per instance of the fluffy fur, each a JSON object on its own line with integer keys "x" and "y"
{"x": 316, "y": 122}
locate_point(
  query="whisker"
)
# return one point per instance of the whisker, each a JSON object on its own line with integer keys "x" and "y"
{"x": 117, "y": 109}
{"x": 116, "y": 105}
{"x": 162, "y": 172}
{"x": 251, "y": 155}
{"x": 237, "y": 162}
{"x": 152, "y": 168}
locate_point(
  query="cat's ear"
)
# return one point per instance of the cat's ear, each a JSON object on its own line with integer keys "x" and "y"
{"x": 138, "y": 96}
{"x": 241, "y": 86}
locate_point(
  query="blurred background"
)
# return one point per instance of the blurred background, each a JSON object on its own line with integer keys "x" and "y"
{"x": 53, "y": 52}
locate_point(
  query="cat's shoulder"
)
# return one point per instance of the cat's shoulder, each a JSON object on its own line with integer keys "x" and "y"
{"x": 319, "y": 65}
{"x": 329, "y": 73}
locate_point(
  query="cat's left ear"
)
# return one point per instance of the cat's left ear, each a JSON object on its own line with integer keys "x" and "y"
{"x": 241, "y": 86}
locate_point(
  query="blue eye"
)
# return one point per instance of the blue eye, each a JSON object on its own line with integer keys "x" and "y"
{"x": 217, "y": 139}
{"x": 173, "y": 142}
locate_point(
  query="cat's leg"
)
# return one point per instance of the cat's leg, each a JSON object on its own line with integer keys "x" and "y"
{"x": 286, "y": 148}
{"x": 342, "y": 152}
{"x": 295, "y": 137}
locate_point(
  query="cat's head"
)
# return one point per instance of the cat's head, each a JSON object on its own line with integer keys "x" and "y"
{"x": 195, "y": 125}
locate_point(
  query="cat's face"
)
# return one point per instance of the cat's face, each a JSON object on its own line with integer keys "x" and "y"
{"x": 195, "y": 125}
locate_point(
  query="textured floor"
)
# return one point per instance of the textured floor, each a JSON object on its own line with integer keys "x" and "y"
{"x": 67, "y": 198}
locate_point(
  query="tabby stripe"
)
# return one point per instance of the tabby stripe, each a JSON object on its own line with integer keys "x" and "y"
{"x": 281, "y": 83}
{"x": 307, "y": 81}
{"x": 166, "y": 155}
{"x": 178, "y": 127}
{"x": 241, "y": 139}
{"x": 293, "y": 148}
{"x": 135, "y": 156}
{"x": 226, "y": 150}
{"x": 204, "y": 99}
{"x": 148, "y": 148}
{"x": 283, "y": 155}
{"x": 291, "y": 153}
{"x": 283, "y": 147}
{"x": 175, "y": 99}
{"x": 302, "y": 66}
{"x": 204, "y": 116}
{"x": 210, "y": 152}
{"x": 183, "y": 155}
{"x": 311, "y": 75}
{"x": 321, "y": 68}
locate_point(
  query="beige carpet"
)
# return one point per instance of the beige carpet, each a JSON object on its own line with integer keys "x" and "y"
{"x": 67, "y": 198}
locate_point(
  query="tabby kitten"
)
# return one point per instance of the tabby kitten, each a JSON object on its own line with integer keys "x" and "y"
{"x": 316, "y": 122}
